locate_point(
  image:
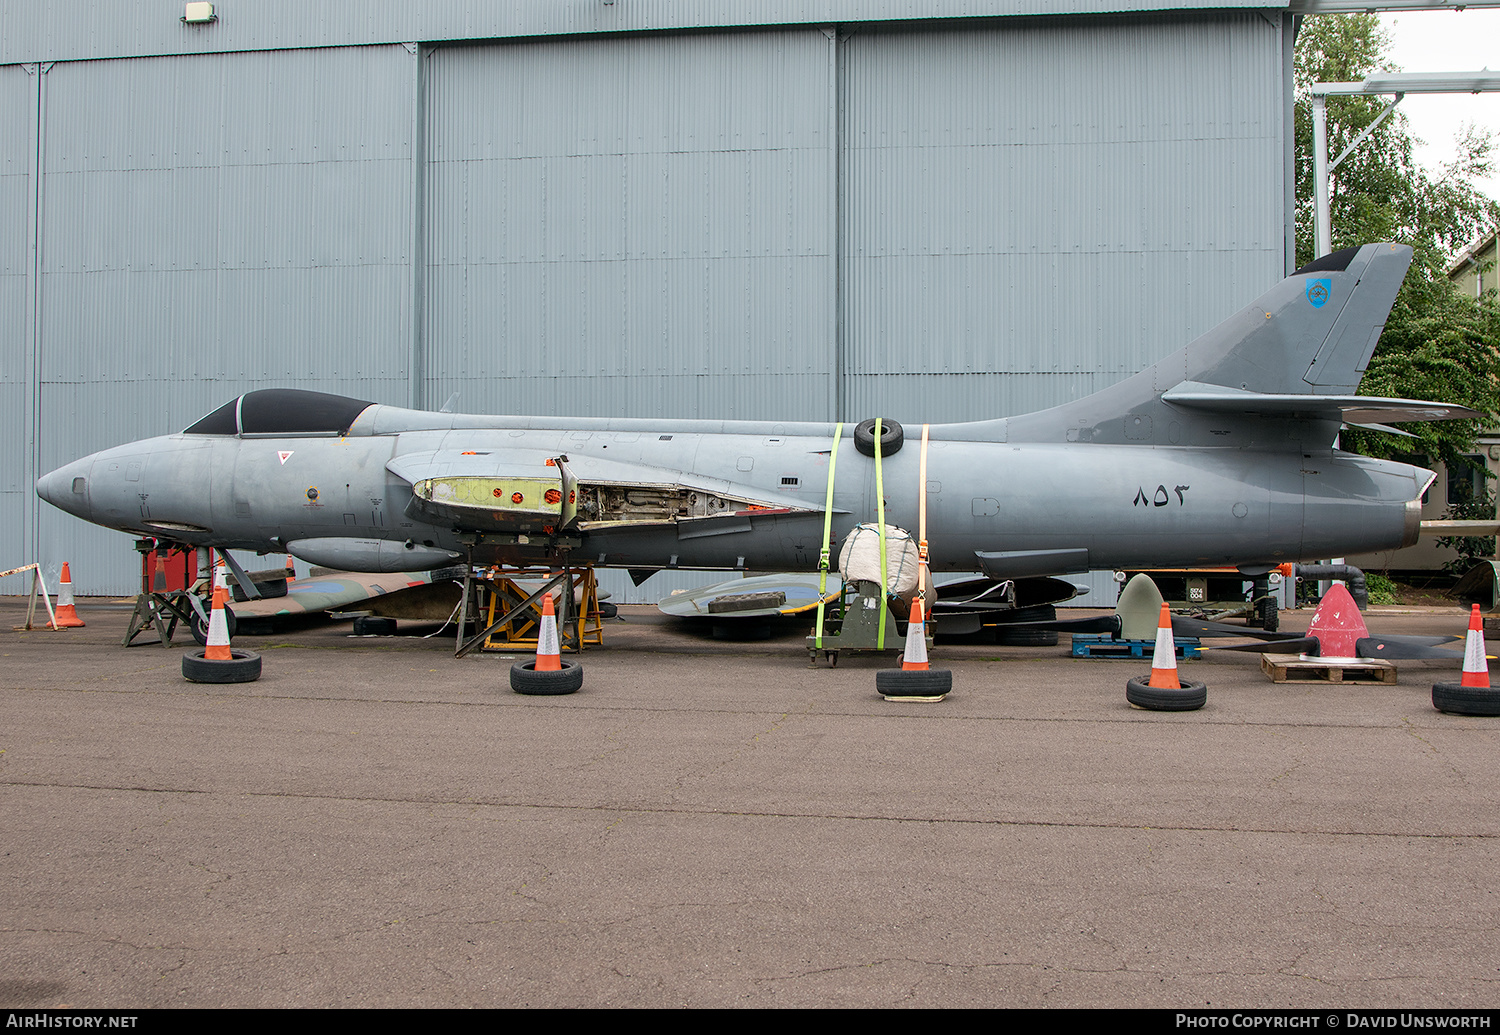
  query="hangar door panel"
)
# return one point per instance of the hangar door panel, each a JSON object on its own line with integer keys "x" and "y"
{"x": 1032, "y": 212}
{"x": 211, "y": 224}
{"x": 17, "y": 471}
{"x": 634, "y": 226}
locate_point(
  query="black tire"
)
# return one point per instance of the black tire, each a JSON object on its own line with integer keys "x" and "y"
{"x": 608, "y": 610}
{"x": 242, "y": 667}
{"x": 1192, "y": 695}
{"x": 1458, "y": 699}
{"x": 525, "y": 679}
{"x": 1025, "y": 637}
{"x": 891, "y": 437}
{"x": 1035, "y": 613}
{"x": 1270, "y": 615}
{"x": 900, "y": 682}
{"x": 368, "y": 625}
{"x": 200, "y": 626}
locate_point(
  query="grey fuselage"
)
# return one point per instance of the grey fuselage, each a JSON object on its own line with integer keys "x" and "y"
{"x": 1126, "y": 505}
{"x": 1221, "y": 453}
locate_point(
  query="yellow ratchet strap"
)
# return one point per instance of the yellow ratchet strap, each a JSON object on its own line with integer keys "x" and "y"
{"x": 833, "y": 456}
{"x": 880, "y": 516}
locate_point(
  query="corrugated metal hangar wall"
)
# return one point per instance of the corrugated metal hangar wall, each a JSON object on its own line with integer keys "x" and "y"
{"x": 926, "y": 220}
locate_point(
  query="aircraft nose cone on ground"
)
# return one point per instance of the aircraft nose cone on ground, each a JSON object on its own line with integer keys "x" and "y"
{"x": 67, "y": 488}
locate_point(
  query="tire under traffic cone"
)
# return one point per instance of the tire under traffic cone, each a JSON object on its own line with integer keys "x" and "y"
{"x": 548, "y": 674}
{"x": 1164, "y": 692}
{"x": 218, "y": 662}
{"x": 1472, "y": 694}
{"x": 67, "y": 613}
{"x": 914, "y": 680}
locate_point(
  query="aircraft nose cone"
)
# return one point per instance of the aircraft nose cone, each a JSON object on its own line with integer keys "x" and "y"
{"x": 67, "y": 488}
{"x": 47, "y": 486}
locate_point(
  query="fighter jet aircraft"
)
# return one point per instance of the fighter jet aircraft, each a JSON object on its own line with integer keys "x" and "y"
{"x": 1223, "y": 453}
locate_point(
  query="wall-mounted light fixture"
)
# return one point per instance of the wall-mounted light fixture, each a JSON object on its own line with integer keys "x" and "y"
{"x": 199, "y": 13}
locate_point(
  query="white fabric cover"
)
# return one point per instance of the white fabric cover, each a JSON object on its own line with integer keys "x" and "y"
{"x": 860, "y": 558}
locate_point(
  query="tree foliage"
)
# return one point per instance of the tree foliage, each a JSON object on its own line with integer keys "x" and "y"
{"x": 1438, "y": 343}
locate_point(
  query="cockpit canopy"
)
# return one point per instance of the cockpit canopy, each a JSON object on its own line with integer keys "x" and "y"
{"x": 282, "y": 411}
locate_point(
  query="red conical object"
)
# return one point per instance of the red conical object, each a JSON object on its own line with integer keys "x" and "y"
{"x": 1336, "y": 624}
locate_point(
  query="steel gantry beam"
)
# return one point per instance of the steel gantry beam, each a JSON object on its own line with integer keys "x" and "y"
{"x": 1397, "y": 84}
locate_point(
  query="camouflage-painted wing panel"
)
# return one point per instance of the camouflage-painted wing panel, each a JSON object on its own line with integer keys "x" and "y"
{"x": 331, "y": 592}
{"x": 756, "y": 597}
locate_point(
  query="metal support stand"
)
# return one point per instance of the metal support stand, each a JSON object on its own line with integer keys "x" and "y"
{"x": 856, "y": 624}
{"x": 158, "y": 607}
{"x": 463, "y": 603}
{"x": 513, "y": 615}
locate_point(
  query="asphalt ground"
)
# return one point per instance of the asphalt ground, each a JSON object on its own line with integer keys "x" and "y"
{"x": 713, "y": 823}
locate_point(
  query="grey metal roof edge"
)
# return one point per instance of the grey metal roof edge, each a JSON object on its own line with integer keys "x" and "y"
{"x": 1471, "y": 253}
{"x": 106, "y": 29}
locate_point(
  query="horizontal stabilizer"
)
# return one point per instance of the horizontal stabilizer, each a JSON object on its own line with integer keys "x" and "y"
{"x": 1386, "y": 428}
{"x": 1352, "y": 409}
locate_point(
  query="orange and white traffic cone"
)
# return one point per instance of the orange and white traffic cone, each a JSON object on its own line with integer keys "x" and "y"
{"x": 159, "y": 575}
{"x": 915, "y": 657}
{"x": 1476, "y": 668}
{"x": 291, "y": 569}
{"x": 67, "y": 614}
{"x": 548, "y": 653}
{"x": 1164, "y": 658}
{"x": 218, "y": 629}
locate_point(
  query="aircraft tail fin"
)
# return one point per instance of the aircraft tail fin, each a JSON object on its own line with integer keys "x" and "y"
{"x": 1311, "y": 334}
{"x": 1297, "y": 353}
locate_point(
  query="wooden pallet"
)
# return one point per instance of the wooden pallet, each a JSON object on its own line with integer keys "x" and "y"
{"x": 1102, "y": 645}
{"x": 1327, "y": 670}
